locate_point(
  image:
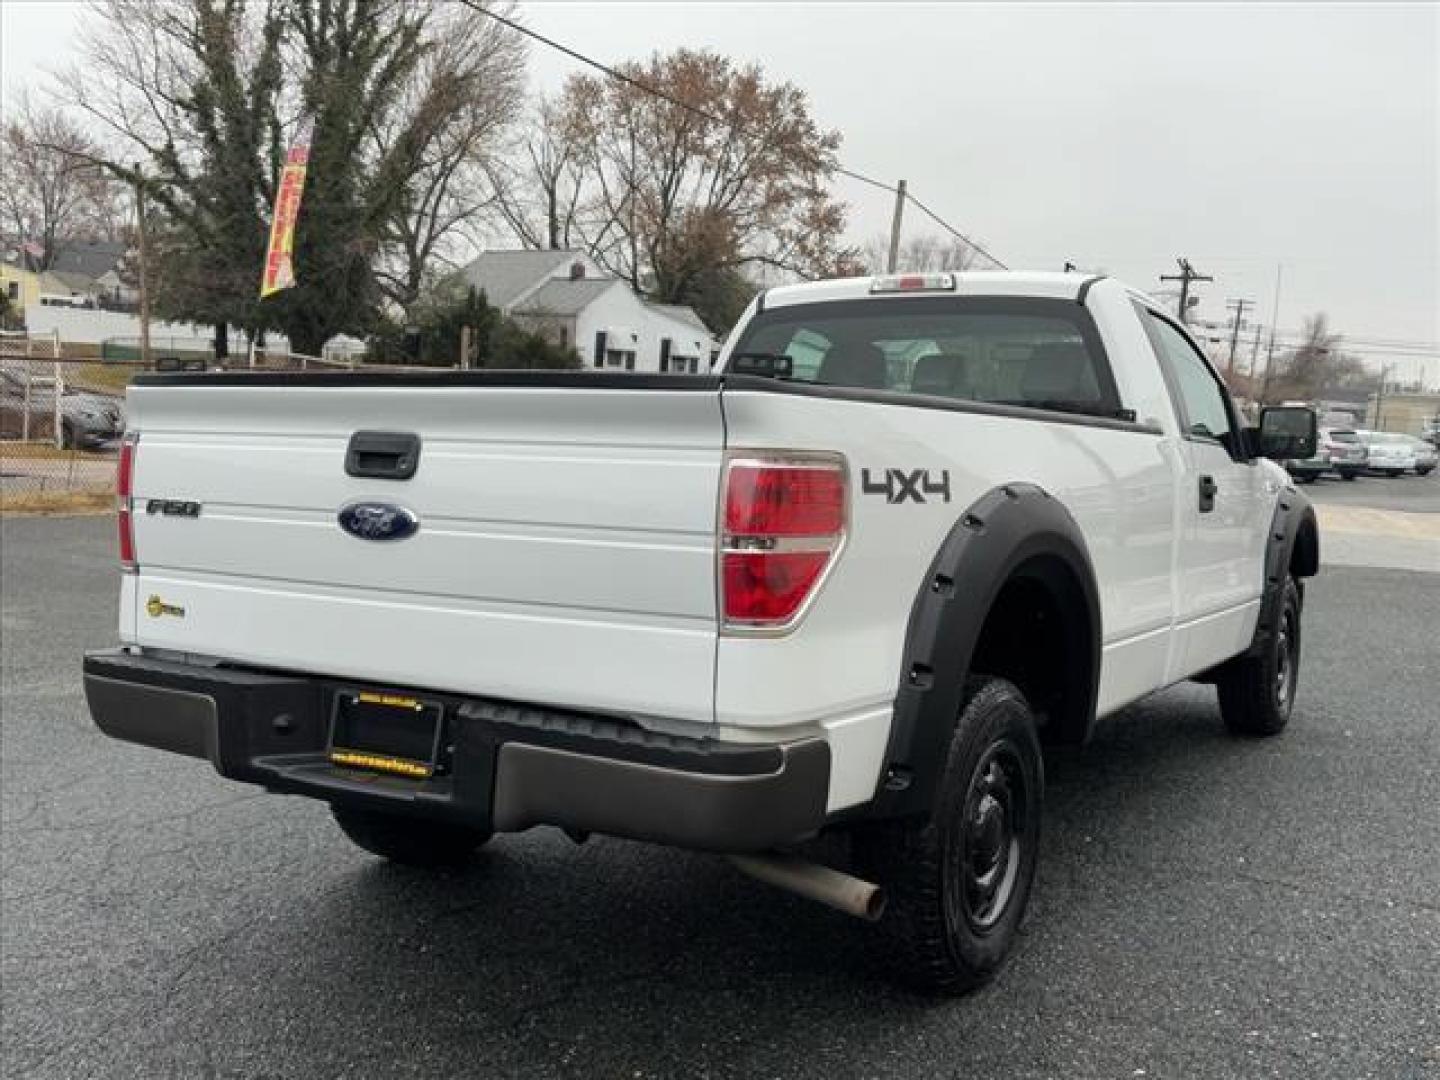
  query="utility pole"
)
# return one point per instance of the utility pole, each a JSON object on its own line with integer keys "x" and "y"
{"x": 1239, "y": 306}
{"x": 144, "y": 243}
{"x": 1187, "y": 274}
{"x": 1254, "y": 350}
{"x": 1269, "y": 367}
{"x": 895, "y": 228}
{"x": 1274, "y": 322}
{"x": 1380, "y": 394}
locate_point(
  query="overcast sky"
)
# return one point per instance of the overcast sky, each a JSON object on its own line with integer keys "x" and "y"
{"x": 1116, "y": 136}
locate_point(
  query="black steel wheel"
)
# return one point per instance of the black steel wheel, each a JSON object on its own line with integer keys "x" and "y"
{"x": 1257, "y": 692}
{"x": 987, "y": 849}
{"x": 958, "y": 879}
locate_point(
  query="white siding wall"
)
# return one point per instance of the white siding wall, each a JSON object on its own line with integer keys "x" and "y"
{"x": 90, "y": 326}
{"x": 633, "y": 326}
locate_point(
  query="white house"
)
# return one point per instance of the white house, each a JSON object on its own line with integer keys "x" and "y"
{"x": 564, "y": 296}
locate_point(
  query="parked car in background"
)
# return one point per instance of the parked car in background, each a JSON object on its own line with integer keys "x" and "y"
{"x": 88, "y": 421}
{"x": 1347, "y": 452}
{"x": 1310, "y": 469}
{"x": 1426, "y": 455}
{"x": 1387, "y": 454}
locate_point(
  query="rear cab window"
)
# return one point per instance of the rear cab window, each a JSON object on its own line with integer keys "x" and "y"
{"x": 1037, "y": 353}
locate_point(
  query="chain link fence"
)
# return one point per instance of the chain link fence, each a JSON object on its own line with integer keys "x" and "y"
{"x": 62, "y": 410}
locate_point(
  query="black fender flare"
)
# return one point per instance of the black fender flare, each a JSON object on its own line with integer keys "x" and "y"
{"x": 1007, "y": 528}
{"x": 1292, "y": 546}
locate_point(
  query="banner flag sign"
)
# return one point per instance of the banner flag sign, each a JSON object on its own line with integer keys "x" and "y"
{"x": 279, "y": 258}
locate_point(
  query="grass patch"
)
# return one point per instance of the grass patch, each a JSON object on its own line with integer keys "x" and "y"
{"x": 102, "y": 378}
{"x": 47, "y": 452}
{"x": 57, "y": 502}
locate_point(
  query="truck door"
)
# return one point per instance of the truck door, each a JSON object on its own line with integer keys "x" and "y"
{"x": 1220, "y": 509}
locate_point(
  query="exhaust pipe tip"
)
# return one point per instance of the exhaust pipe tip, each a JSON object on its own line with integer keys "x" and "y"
{"x": 844, "y": 892}
{"x": 875, "y": 904}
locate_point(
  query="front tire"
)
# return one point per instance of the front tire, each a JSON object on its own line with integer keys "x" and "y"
{"x": 411, "y": 841}
{"x": 1257, "y": 693}
{"x": 958, "y": 879}
{"x": 1348, "y": 474}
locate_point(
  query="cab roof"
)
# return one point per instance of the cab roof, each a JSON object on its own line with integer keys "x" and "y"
{"x": 1050, "y": 284}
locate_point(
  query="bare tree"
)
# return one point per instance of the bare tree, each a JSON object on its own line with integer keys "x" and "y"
{"x": 670, "y": 195}
{"x": 51, "y": 189}
{"x": 1318, "y": 363}
{"x": 540, "y": 184}
{"x": 924, "y": 252}
{"x": 467, "y": 96}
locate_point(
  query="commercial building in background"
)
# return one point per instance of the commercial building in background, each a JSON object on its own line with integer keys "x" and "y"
{"x": 1409, "y": 414}
{"x": 568, "y": 299}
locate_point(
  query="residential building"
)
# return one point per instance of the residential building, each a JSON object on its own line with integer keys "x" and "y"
{"x": 85, "y": 273}
{"x": 24, "y": 288}
{"x": 568, "y": 299}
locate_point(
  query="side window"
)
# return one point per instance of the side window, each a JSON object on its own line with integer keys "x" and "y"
{"x": 1204, "y": 412}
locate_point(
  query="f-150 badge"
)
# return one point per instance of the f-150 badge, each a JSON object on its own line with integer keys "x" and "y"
{"x": 907, "y": 485}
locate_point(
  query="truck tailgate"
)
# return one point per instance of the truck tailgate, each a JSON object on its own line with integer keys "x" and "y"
{"x": 565, "y": 552}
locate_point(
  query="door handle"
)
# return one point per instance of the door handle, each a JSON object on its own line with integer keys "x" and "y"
{"x": 1208, "y": 488}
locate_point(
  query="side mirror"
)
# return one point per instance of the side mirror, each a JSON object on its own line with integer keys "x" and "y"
{"x": 1285, "y": 433}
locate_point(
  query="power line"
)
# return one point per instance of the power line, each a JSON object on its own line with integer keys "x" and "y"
{"x": 695, "y": 110}
{"x": 953, "y": 231}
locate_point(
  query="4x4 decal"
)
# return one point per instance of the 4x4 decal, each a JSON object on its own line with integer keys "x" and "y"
{"x": 907, "y": 485}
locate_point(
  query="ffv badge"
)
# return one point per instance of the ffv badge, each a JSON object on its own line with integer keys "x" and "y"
{"x": 377, "y": 521}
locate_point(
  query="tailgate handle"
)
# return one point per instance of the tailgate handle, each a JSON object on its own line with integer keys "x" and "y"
{"x": 383, "y": 455}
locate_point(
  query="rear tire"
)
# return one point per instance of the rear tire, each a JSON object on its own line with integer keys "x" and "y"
{"x": 412, "y": 841}
{"x": 1257, "y": 693}
{"x": 958, "y": 879}
{"x": 1347, "y": 475}
{"x": 1425, "y": 471}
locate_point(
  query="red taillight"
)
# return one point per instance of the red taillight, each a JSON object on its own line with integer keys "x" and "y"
{"x": 124, "y": 476}
{"x": 784, "y": 500}
{"x": 782, "y": 522}
{"x": 769, "y": 586}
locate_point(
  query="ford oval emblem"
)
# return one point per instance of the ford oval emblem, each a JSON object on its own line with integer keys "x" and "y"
{"x": 377, "y": 521}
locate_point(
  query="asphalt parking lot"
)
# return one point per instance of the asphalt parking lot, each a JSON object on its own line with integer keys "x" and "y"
{"x": 1407, "y": 494}
{"x": 1206, "y": 907}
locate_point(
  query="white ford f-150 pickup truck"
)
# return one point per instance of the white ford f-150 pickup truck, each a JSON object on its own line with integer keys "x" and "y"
{"x": 909, "y": 529}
